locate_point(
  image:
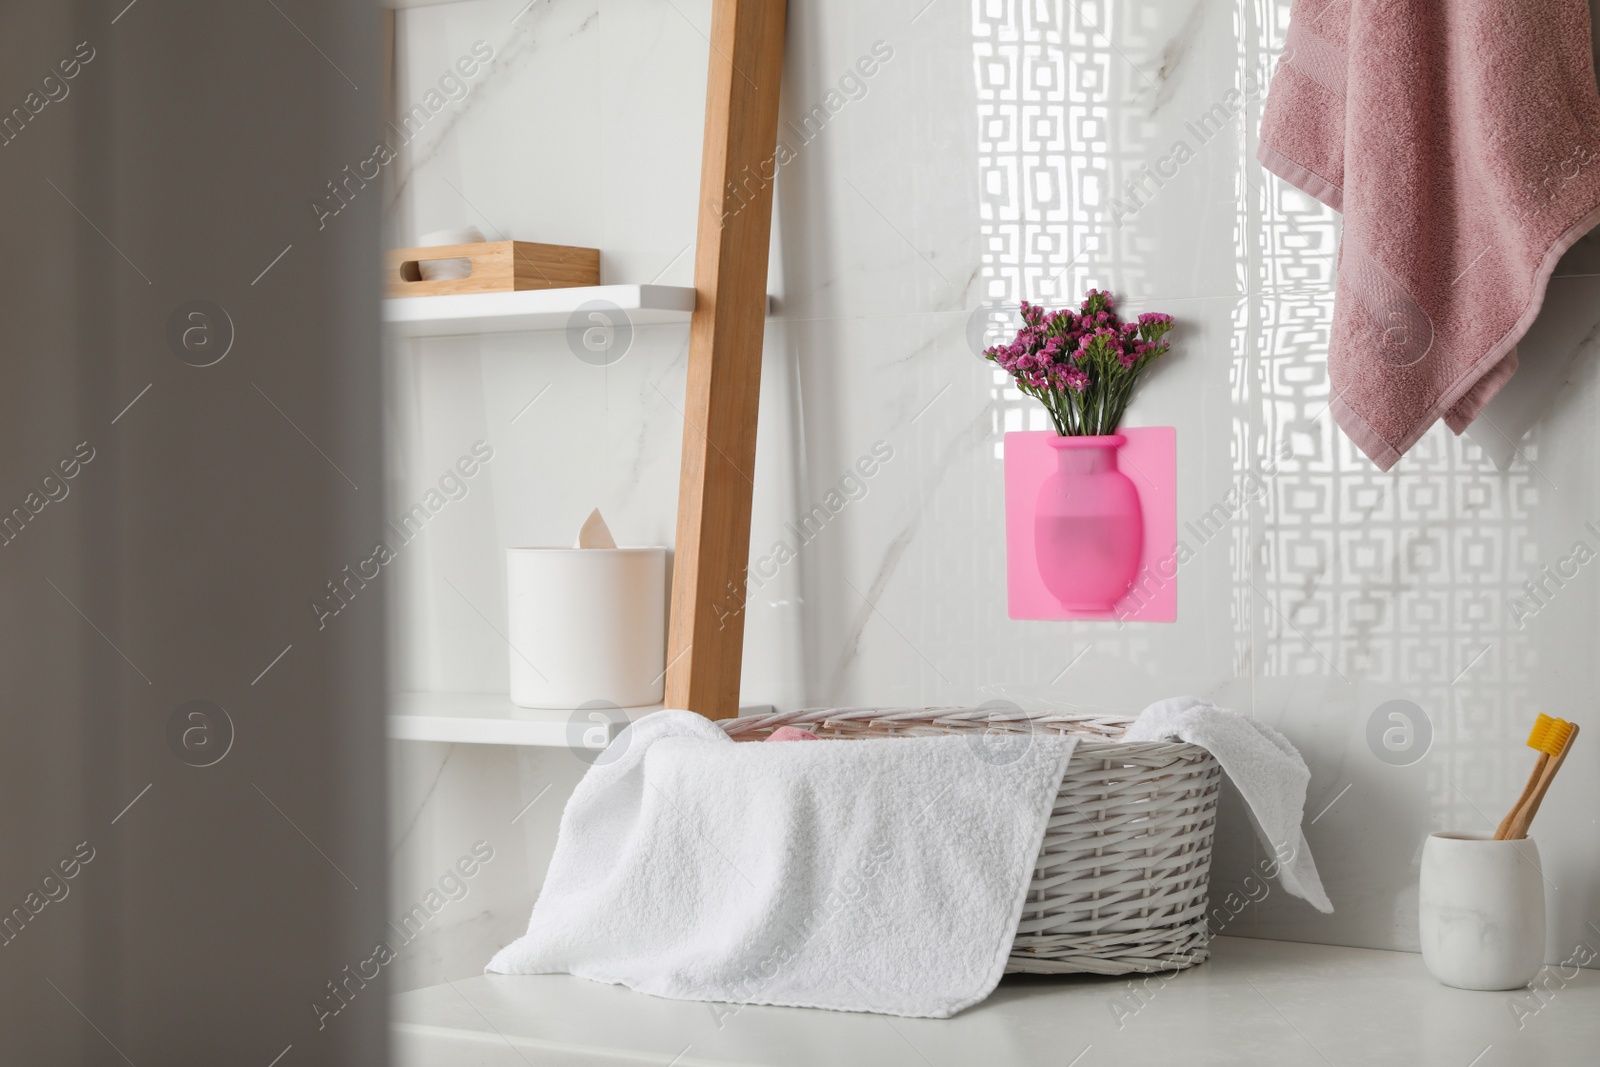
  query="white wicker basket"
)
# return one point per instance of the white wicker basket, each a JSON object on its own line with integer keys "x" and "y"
{"x": 1121, "y": 881}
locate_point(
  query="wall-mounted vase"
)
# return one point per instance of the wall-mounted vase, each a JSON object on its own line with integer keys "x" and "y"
{"x": 1088, "y": 526}
{"x": 1091, "y": 525}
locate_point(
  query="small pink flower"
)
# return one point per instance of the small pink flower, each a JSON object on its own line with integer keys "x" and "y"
{"x": 1071, "y": 352}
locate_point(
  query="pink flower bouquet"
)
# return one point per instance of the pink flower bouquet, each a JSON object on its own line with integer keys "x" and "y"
{"x": 1082, "y": 366}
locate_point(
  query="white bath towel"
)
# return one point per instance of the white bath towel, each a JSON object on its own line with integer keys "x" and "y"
{"x": 863, "y": 875}
{"x": 1263, "y": 766}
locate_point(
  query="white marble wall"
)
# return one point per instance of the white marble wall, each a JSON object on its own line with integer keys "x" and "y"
{"x": 984, "y": 161}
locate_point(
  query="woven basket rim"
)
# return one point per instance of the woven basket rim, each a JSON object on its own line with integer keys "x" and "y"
{"x": 1100, "y": 729}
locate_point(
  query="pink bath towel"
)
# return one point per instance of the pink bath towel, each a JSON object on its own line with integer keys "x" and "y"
{"x": 1461, "y": 141}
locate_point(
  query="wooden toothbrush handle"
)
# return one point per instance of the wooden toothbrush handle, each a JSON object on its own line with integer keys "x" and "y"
{"x": 1504, "y": 829}
{"x": 1519, "y": 825}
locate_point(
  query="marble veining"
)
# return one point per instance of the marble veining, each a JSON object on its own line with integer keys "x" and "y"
{"x": 1173, "y": 55}
{"x": 524, "y": 42}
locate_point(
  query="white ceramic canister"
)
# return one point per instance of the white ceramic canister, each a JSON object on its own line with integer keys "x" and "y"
{"x": 586, "y": 624}
{"x": 1481, "y": 910}
{"x": 438, "y": 270}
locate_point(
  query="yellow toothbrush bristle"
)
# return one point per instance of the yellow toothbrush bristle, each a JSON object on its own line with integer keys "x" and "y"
{"x": 1554, "y": 738}
{"x": 1541, "y": 731}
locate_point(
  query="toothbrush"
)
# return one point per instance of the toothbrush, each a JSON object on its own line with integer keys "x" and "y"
{"x": 1536, "y": 741}
{"x": 1559, "y": 742}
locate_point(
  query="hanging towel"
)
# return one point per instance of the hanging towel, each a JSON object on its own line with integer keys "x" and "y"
{"x": 864, "y": 875}
{"x": 1461, "y": 140}
{"x": 1561, "y": 339}
{"x": 1263, "y": 766}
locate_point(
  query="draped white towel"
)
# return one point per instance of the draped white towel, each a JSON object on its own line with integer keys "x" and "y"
{"x": 882, "y": 875}
{"x": 1263, "y": 766}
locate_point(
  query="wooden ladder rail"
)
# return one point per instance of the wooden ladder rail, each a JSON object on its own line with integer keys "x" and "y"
{"x": 705, "y": 641}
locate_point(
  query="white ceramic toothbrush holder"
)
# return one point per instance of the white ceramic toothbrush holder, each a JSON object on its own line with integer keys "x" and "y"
{"x": 586, "y": 624}
{"x": 1481, "y": 910}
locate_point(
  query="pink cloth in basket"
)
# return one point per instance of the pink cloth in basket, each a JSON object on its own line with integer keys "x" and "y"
{"x": 1461, "y": 140}
{"x": 792, "y": 733}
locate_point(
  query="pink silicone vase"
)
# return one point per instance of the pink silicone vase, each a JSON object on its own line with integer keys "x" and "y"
{"x": 1088, "y": 528}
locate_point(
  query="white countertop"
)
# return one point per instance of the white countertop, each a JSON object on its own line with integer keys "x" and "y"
{"x": 1255, "y": 1002}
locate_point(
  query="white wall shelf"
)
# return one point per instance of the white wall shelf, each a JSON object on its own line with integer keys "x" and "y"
{"x": 491, "y": 719}
{"x": 469, "y": 314}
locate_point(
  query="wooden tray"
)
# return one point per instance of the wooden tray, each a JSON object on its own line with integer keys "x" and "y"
{"x": 497, "y": 267}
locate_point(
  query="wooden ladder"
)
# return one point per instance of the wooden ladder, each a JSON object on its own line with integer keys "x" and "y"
{"x": 705, "y": 640}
